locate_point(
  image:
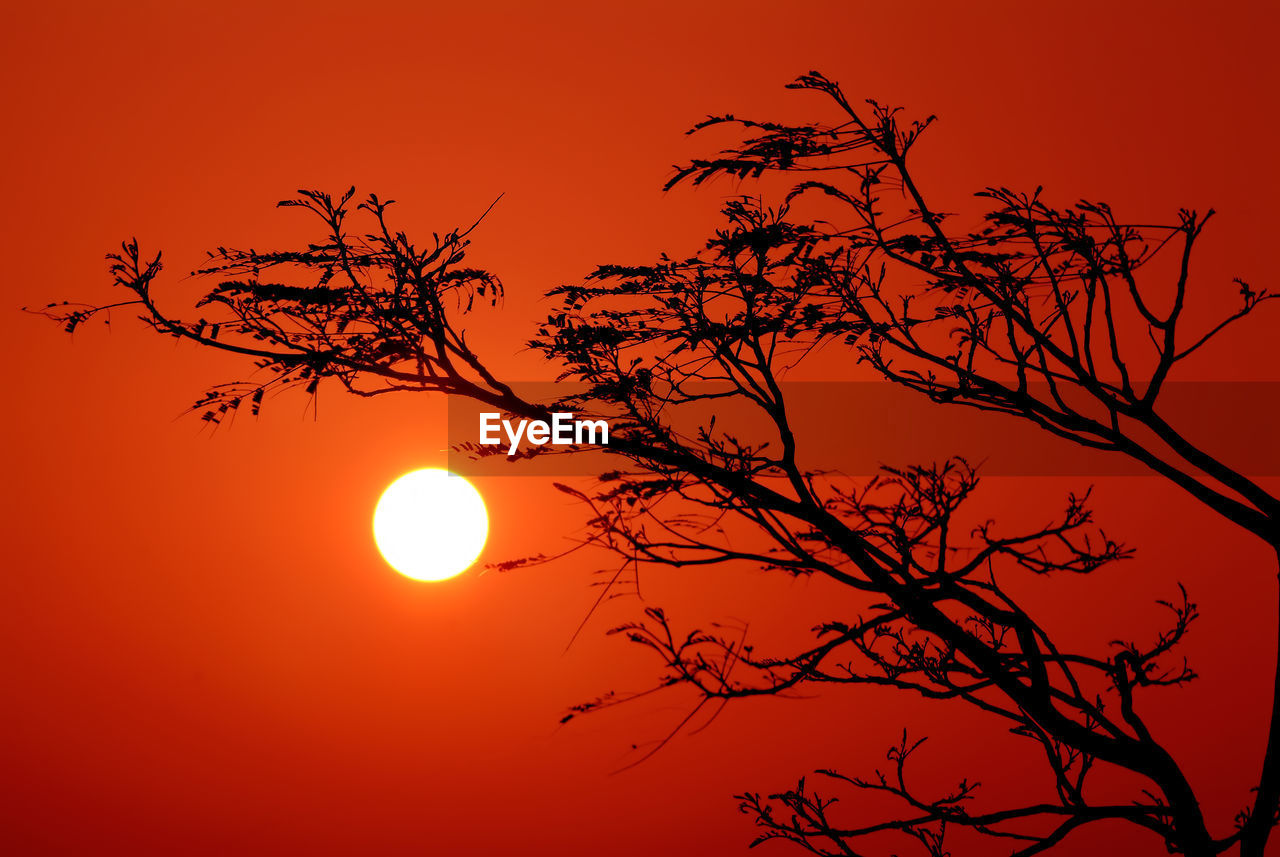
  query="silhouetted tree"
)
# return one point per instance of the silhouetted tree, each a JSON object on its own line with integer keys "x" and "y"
{"x": 1041, "y": 313}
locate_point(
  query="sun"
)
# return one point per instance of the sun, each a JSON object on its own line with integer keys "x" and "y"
{"x": 430, "y": 524}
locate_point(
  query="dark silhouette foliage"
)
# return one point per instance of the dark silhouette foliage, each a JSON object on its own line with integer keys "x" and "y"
{"x": 1050, "y": 314}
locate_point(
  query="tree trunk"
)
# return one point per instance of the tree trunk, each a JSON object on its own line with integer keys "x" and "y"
{"x": 1257, "y": 829}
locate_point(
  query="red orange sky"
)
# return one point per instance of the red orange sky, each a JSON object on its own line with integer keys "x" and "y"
{"x": 202, "y": 652}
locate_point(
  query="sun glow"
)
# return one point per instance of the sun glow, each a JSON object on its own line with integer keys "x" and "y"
{"x": 430, "y": 524}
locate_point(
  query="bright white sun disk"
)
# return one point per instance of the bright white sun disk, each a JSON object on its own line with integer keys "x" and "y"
{"x": 430, "y": 524}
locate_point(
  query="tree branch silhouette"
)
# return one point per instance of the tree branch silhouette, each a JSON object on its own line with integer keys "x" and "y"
{"x": 1044, "y": 314}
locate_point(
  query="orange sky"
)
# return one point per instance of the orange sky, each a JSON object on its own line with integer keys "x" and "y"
{"x": 202, "y": 651}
